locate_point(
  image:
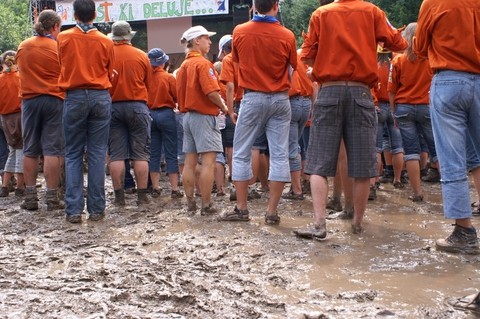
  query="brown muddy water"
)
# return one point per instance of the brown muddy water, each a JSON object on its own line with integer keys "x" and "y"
{"x": 161, "y": 262}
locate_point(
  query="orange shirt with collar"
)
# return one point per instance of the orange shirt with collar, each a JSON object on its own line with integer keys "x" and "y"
{"x": 301, "y": 84}
{"x": 230, "y": 74}
{"x": 264, "y": 52}
{"x": 410, "y": 81}
{"x": 223, "y": 88}
{"x": 86, "y": 59}
{"x": 196, "y": 78}
{"x": 39, "y": 68}
{"x": 163, "y": 90}
{"x": 10, "y": 88}
{"x": 342, "y": 39}
{"x": 133, "y": 74}
{"x": 446, "y": 46}
{"x": 381, "y": 90}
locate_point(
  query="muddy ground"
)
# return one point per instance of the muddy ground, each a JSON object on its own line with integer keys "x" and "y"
{"x": 165, "y": 263}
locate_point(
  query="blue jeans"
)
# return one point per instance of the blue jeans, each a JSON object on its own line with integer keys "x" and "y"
{"x": 3, "y": 149}
{"x": 86, "y": 123}
{"x": 455, "y": 109}
{"x": 300, "y": 111}
{"x": 180, "y": 154}
{"x": 269, "y": 112}
{"x": 413, "y": 121}
{"x": 386, "y": 123}
{"x": 164, "y": 134}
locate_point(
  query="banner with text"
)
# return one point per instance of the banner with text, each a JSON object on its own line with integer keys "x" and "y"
{"x": 131, "y": 10}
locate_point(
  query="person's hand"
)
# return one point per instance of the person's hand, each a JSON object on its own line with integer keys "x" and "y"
{"x": 234, "y": 117}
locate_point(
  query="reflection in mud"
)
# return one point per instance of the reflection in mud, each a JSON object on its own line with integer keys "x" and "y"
{"x": 165, "y": 263}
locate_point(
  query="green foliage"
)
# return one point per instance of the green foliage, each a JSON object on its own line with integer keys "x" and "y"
{"x": 13, "y": 23}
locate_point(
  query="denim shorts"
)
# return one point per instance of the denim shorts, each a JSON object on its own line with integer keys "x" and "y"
{"x": 163, "y": 139}
{"x": 348, "y": 112}
{"x": 42, "y": 126}
{"x": 414, "y": 122}
{"x": 201, "y": 133}
{"x": 129, "y": 131}
{"x": 180, "y": 153}
{"x": 262, "y": 112}
{"x": 386, "y": 125}
{"x": 300, "y": 112}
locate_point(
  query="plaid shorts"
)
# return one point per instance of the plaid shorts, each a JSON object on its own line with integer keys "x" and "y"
{"x": 344, "y": 112}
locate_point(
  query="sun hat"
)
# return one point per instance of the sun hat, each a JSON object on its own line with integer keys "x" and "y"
{"x": 157, "y": 57}
{"x": 121, "y": 30}
{"x": 223, "y": 41}
{"x": 195, "y": 32}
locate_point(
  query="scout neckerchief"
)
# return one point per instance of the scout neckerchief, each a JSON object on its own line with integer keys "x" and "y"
{"x": 86, "y": 27}
{"x": 264, "y": 18}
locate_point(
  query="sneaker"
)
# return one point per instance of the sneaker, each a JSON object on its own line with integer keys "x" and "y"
{"x": 237, "y": 215}
{"x": 373, "y": 193}
{"x": 312, "y": 232}
{"x": 293, "y": 196}
{"x": 460, "y": 241}
{"x": 176, "y": 194}
{"x": 74, "y": 219}
{"x": 335, "y": 204}
{"x": 433, "y": 176}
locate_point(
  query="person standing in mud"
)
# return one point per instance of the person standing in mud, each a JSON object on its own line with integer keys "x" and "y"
{"x": 87, "y": 109}
{"x": 345, "y": 64}
{"x": 129, "y": 137}
{"x": 42, "y": 110}
{"x": 265, "y": 106}
{"x": 454, "y": 56}
{"x": 198, "y": 95}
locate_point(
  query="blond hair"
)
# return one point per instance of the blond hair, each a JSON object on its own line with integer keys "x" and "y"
{"x": 408, "y": 34}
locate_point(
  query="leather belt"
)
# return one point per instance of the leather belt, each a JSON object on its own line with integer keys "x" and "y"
{"x": 345, "y": 83}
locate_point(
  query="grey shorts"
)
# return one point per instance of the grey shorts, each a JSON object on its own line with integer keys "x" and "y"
{"x": 14, "y": 162}
{"x": 42, "y": 126}
{"x": 201, "y": 134}
{"x": 348, "y": 112}
{"x": 129, "y": 131}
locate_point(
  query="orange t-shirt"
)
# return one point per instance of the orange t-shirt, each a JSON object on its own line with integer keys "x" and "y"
{"x": 301, "y": 84}
{"x": 342, "y": 39}
{"x": 230, "y": 74}
{"x": 381, "y": 90}
{"x": 133, "y": 74}
{"x": 10, "y": 88}
{"x": 39, "y": 68}
{"x": 86, "y": 59}
{"x": 264, "y": 52}
{"x": 196, "y": 78}
{"x": 163, "y": 90}
{"x": 448, "y": 33}
{"x": 410, "y": 81}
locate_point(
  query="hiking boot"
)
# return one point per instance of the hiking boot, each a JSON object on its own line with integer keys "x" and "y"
{"x": 53, "y": 201}
{"x": 177, "y": 194}
{"x": 373, "y": 193}
{"x": 155, "y": 192}
{"x": 96, "y": 217}
{"x": 130, "y": 190}
{"x": 312, "y": 232}
{"x": 119, "y": 197}
{"x": 335, "y": 204}
{"x": 293, "y": 196}
{"x": 433, "y": 176}
{"x": 19, "y": 192}
{"x": 31, "y": 200}
{"x": 4, "y": 192}
{"x": 191, "y": 204}
{"x": 142, "y": 198}
{"x": 208, "y": 210}
{"x": 74, "y": 219}
{"x": 461, "y": 240}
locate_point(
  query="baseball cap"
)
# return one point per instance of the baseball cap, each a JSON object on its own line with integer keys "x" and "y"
{"x": 223, "y": 41}
{"x": 157, "y": 57}
{"x": 195, "y": 32}
{"x": 121, "y": 30}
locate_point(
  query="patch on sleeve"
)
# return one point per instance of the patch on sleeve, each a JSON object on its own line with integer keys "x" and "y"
{"x": 212, "y": 74}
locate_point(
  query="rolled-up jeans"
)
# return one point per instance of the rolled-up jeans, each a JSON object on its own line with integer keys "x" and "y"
{"x": 455, "y": 112}
{"x": 86, "y": 123}
{"x": 300, "y": 106}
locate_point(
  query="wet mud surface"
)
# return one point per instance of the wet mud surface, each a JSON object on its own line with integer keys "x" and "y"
{"x": 162, "y": 262}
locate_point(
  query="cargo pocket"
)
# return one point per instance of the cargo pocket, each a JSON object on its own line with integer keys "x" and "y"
{"x": 365, "y": 113}
{"x": 325, "y": 111}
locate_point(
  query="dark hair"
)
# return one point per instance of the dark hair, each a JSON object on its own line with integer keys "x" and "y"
{"x": 8, "y": 58}
{"x": 227, "y": 47}
{"x": 84, "y": 10}
{"x": 324, "y": 2}
{"x": 263, "y": 6}
{"x": 47, "y": 19}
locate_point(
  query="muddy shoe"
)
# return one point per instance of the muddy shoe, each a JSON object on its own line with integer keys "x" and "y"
{"x": 74, "y": 219}
{"x": 467, "y": 303}
{"x": 272, "y": 219}
{"x": 31, "y": 200}
{"x": 373, "y": 193}
{"x": 142, "y": 197}
{"x": 433, "y": 176}
{"x": 335, "y": 204}
{"x": 96, "y": 217}
{"x": 155, "y": 193}
{"x": 344, "y": 215}
{"x": 53, "y": 202}
{"x": 191, "y": 205}
{"x": 416, "y": 198}
{"x": 236, "y": 215}
{"x": 19, "y": 192}
{"x": 312, "y": 232}
{"x": 291, "y": 195}
{"x": 119, "y": 197}
{"x": 398, "y": 185}
{"x": 208, "y": 210}
{"x": 253, "y": 194}
{"x": 357, "y": 229}
{"x": 461, "y": 240}
{"x": 233, "y": 195}
{"x": 176, "y": 194}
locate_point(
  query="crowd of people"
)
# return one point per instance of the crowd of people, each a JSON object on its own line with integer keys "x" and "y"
{"x": 361, "y": 102}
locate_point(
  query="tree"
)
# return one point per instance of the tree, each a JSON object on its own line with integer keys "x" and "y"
{"x": 13, "y": 23}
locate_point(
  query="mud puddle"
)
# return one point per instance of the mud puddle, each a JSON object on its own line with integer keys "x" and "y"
{"x": 165, "y": 263}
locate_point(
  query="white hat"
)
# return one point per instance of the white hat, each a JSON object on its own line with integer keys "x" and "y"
{"x": 195, "y": 32}
{"x": 223, "y": 40}
{"x": 121, "y": 30}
